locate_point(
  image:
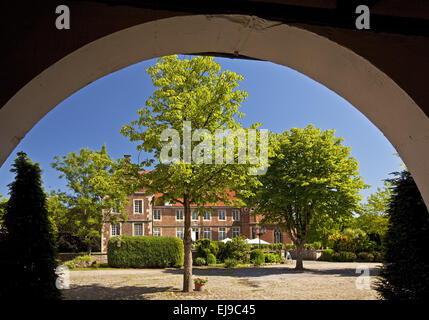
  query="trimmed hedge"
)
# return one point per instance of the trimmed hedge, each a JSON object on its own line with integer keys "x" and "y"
{"x": 145, "y": 252}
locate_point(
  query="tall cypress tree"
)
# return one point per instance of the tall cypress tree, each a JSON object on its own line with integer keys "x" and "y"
{"x": 29, "y": 249}
{"x": 405, "y": 271}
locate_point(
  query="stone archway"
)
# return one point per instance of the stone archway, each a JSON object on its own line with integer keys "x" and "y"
{"x": 351, "y": 76}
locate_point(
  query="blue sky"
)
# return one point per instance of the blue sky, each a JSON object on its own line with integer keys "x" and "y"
{"x": 280, "y": 98}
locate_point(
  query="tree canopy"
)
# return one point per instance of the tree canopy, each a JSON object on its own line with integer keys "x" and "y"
{"x": 96, "y": 185}
{"x": 312, "y": 174}
{"x": 195, "y": 92}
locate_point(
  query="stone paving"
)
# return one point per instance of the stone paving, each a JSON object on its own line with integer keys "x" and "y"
{"x": 320, "y": 280}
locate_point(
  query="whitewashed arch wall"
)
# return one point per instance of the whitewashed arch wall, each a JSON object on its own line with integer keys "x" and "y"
{"x": 371, "y": 91}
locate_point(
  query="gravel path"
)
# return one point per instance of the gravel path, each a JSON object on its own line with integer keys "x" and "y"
{"x": 320, "y": 280}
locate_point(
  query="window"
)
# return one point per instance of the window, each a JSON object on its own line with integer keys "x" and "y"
{"x": 278, "y": 236}
{"x": 222, "y": 233}
{"x": 138, "y": 206}
{"x": 235, "y": 232}
{"x": 157, "y": 232}
{"x": 115, "y": 211}
{"x": 207, "y": 233}
{"x": 207, "y": 215}
{"x": 116, "y": 230}
{"x": 194, "y": 215}
{"x": 194, "y": 234}
{"x": 221, "y": 215}
{"x": 253, "y": 233}
{"x": 179, "y": 233}
{"x": 236, "y": 215}
{"x": 179, "y": 214}
{"x": 138, "y": 229}
{"x": 157, "y": 214}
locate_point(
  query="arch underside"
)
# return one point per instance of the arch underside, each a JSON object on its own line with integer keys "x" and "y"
{"x": 367, "y": 88}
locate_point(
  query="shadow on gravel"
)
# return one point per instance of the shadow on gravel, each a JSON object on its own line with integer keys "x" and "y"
{"x": 255, "y": 272}
{"x": 97, "y": 292}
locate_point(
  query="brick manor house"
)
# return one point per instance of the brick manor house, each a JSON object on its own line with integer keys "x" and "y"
{"x": 168, "y": 220}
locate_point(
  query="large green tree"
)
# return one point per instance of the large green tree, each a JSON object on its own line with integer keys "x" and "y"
{"x": 194, "y": 91}
{"x": 311, "y": 175}
{"x": 96, "y": 185}
{"x": 405, "y": 271}
{"x": 28, "y": 251}
{"x": 372, "y": 217}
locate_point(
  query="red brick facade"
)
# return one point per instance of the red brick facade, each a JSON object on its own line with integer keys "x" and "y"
{"x": 163, "y": 220}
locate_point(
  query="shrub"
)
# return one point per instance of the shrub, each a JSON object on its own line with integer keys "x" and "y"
{"x": 317, "y": 245}
{"x": 237, "y": 249}
{"x": 200, "y": 261}
{"x": 145, "y": 252}
{"x": 79, "y": 262}
{"x": 272, "y": 258}
{"x": 378, "y": 256}
{"x": 327, "y": 255}
{"x": 231, "y": 263}
{"x": 344, "y": 256}
{"x": 211, "y": 259}
{"x": 257, "y": 257}
{"x": 365, "y": 256}
{"x": 362, "y": 243}
{"x": 70, "y": 264}
{"x": 340, "y": 242}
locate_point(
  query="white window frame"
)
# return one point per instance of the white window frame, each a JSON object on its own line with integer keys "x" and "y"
{"x": 179, "y": 210}
{"x": 234, "y": 229}
{"x": 205, "y": 229}
{"x": 134, "y": 206}
{"x": 183, "y": 232}
{"x": 223, "y": 232}
{"x": 224, "y": 215}
{"x": 234, "y": 216}
{"x": 210, "y": 216}
{"x": 112, "y": 211}
{"x": 195, "y": 229}
{"x": 192, "y": 215}
{"x": 134, "y": 229}
{"x": 157, "y": 235}
{"x": 160, "y": 216}
{"x": 111, "y": 229}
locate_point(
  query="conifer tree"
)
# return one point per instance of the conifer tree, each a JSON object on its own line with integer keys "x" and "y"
{"x": 28, "y": 266}
{"x": 405, "y": 271}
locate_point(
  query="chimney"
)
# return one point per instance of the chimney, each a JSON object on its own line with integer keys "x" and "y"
{"x": 127, "y": 157}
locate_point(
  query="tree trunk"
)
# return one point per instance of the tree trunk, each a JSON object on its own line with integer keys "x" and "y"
{"x": 299, "y": 255}
{"x": 187, "y": 241}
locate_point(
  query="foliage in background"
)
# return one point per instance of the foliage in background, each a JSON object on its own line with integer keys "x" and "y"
{"x": 311, "y": 174}
{"x": 373, "y": 217}
{"x": 145, "y": 252}
{"x": 96, "y": 184}
{"x": 28, "y": 250}
{"x": 257, "y": 257}
{"x": 405, "y": 271}
{"x": 193, "y": 90}
{"x": 3, "y": 202}
{"x": 324, "y": 224}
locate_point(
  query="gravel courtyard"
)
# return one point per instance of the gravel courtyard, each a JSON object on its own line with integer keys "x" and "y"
{"x": 321, "y": 280}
